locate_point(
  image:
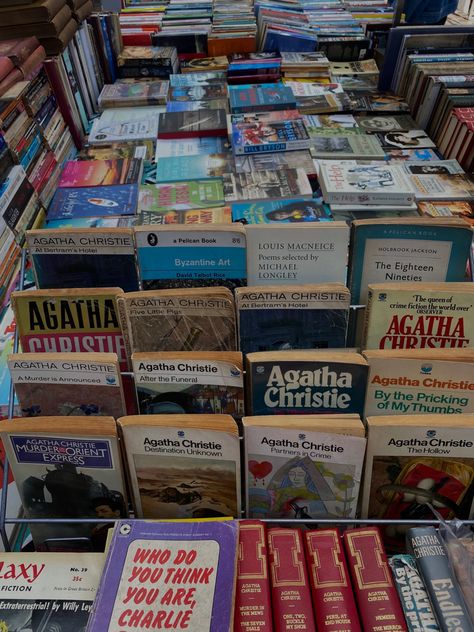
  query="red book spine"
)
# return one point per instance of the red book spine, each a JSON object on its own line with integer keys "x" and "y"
{"x": 333, "y": 599}
{"x": 253, "y": 610}
{"x": 291, "y": 594}
{"x": 377, "y": 598}
{"x": 52, "y": 72}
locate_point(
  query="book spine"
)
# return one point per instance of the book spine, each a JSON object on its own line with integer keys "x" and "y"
{"x": 51, "y": 67}
{"x": 376, "y": 595}
{"x": 426, "y": 546}
{"x": 253, "y": 609}
{"x": 108, "y": 49}
{"x": 333, "y": 599}
{"x": 291, "y": 595}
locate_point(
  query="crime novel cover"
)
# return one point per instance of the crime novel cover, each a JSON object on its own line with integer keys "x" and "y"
{"x": 70, "y": 321}
{"x": 415, "y": 461}
{"x": 183, "y": 466}
{"x": 66, "y": 467}
{"x": 303, "y": 467}
{"x": 306, "y": 382}
{"x": 419, "y": 316}
{"x": 189, "y": 382}
{"x": 67, "y": 384}
{"x": 71, "y": 258}
{"x": 52, "y": 591}
{"x": 277, "y": 318}
{"x": 168, "y": 575}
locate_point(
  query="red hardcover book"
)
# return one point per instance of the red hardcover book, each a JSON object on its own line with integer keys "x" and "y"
{"x": 6, "y": 66}
{"x": 52, "y": 69}
{"x": 30, "y": 65}
{"x": 376, "y": 595}
{"x": 291, "y": 594}
{"x": 18, "y": 50}
{"x": 253, "y": 609}
{"x": 333, "y": 599}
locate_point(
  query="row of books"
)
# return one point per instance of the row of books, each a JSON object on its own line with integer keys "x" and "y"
{"x": 228, "y": 575}
{"x": 189, "y": 466}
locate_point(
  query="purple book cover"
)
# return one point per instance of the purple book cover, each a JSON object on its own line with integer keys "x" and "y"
{"x": 168, "y": 575}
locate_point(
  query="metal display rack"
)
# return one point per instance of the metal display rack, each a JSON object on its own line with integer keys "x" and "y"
{"x": 8, "y": 520}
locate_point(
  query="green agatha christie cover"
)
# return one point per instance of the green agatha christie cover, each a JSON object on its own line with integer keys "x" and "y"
{"x": 305, "y": 386}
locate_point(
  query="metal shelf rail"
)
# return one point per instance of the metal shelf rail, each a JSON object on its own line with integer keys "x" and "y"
{"x": 7, "y": 520}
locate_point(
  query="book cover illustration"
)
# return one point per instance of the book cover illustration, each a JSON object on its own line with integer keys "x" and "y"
{"x": 213, "y": 215}
{"x": 311, "y": 382}
{"x": 395, "y": 123}
{"x": 100, "y": 173}
{"x": 274, "y": 161}
{"x": 181, "y": 196}
{"x": 253, "y": 98}
{"x": 191, "y": 106}
{"x": 125, "y": 94}
{"x": 70, "y": 321}
{"x": 53, "y": 591}
{"x": 361, "y": 146}
{"x": 185, "y": 124}
{"x": 189, "y": 257}
{"x": 302, "y": 473}
{"x": 124, "y": 124}
{"x": 94, "y": 201}
{"x": 64, "y": 384}
{"x": 177, "y": 383}
{"x": 408, "y": 139}
{"x": 181, "y": 320}
{"x": 415, "y": 251}
{"x": 415, "y": 462}
{"x": 443, "y": 186}
{"x": 193, "y": 167}
{"x": 198, "y": 78}
{"x": 409, "y": 155}
{"x": 190, "y": 147}
{"x": 248, "y": 138}
{"x": 267, "y": 184}
{"x": 280, "y": 211}
{"x": 413, "y": 316}
{"x": 272, "y": 318}
{"x": 185, "y": 572}
{"x": 64, "y": 475}
{"x": 200, "y": 92}
{"x": 182, "y": 467}
{"x": 118, "y": 150}
{"x": 313, "y": 89}
{"x": 88, "y": 258}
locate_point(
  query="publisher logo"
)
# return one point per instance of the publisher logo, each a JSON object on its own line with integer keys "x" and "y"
{"x": 259, "y": 370}
{"x": 431, "y": 433}
{"x": 180, "y": 433}
{"x": 234, "y": 371}
{"x": 426, "y": 369}
{"x": 382, "y": 297}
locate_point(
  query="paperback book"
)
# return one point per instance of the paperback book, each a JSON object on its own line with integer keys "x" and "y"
{"x": 272, "y": 136}
{"x": 261, "y": 97}
{"x": 277, "y": 318}
{"x": 195, "y": 382}
{"x": 101, "y": 173}
{"x": 124, "y": 124}
{"x": 192, "y": 124}
{"x": 267, "y": 185}
{"x": 183, "y": 466}
{"x": 123, "y": 94}
{"x": 178, "y": 168}
{"x": 94, "y": 201}
{"x": 305, "y": 382}
{"x": 303, "y": 466}
{"x": 345, "y": 146}
{"x": 281, "y": 211}
{"x": 181, "y": 196}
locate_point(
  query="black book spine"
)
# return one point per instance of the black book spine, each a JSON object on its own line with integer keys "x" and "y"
{"x": 426, "y": 546}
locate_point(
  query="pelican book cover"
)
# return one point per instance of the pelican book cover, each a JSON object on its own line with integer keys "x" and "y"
{"x": 303, "y": 467}
{"x": 168, "y": 575}
{"x": 183, "y": 466}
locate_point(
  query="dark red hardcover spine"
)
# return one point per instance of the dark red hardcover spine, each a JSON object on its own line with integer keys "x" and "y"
{"x": 253, "y": 610}
{"x": 333, "y": 599}
{"x": 291, "y": 594}
{"x": 52, "y": 72}
{"x": 376, "y": 595}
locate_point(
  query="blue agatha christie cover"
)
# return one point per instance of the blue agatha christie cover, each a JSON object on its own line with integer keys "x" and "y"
{"x": 272, "y": 96}
{"x": 94, "y": 201}
{"x": 406, "y": 252}
{"x": 281, "y": 211}
{"x": 168, "y": 575}
{"x": 313, "y": 386}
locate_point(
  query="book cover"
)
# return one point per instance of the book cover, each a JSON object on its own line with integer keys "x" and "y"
{"x": 181, "y": 320}
{"x": 124, "y": 94}
{"x": 257, "y": 97}
{"x": 197, "y": 78}
{"x": 443, "y": 187}
{"x": 131, "y": 149}
{"x": 412, "y": 593}
{"x": 190, "y": 147}
{"x": 70, "y": 321}
{"x": 419, "y": 316}
{"x": 376, "y": 595}
{"x": 281, "y": 211}
{"x": 178, "y": 168}
{"x": 94, "y": 201}
{"x": 184, "y": 571}
{"x": 181, "y": 196}
{"x": 408, "y": 155}
{"x": 371, "y": 123}
{"x": 248, "y": 138}
{"x": 73, "y": 258}
{"x": 303, "y": 467}
{"x": 409, "y": 139}
{"x": 291, "y": 594}
{"x": 201, "y": 92}
{"x": 66, "y": 467}
{"x": 275, "y": 318}
{"x": 415, "y": 461}
{"x": 419, "y": 382}
{"x": 253, "y": 608}
{"x": 280, "y": 160}
{"x": 57, "y": 589}
{"x": 100, "y": 173}
{"x": 189, "y": 106}
{"x": 333, "y": 598}
{"x": 213, "y": 215}
{"x": 305, "y": 382}
{"x": 431, "y": 558}
{"x": 183, "y": 466}
{"x": 191, "y": 256}
{"x": 349, "y": 182}
{"x": 313, "y": 252}
{"x": 189, "y": 124}
{"x": 177, "y": 382}
{"x": 410, "y": 250}
{"x": 345, "y": 146}
{"x": 124, "y": 124}
{"x": 64, "y": 384}
{"x": 267, "y": 185}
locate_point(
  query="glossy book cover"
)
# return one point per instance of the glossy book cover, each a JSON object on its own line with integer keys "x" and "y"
{"x": 99, "y": 173}
{"x": 94, "y": 201}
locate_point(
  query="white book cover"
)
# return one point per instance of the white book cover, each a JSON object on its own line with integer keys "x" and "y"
{"x": 307, "y": 89}
{"x": 124, "y": 124}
